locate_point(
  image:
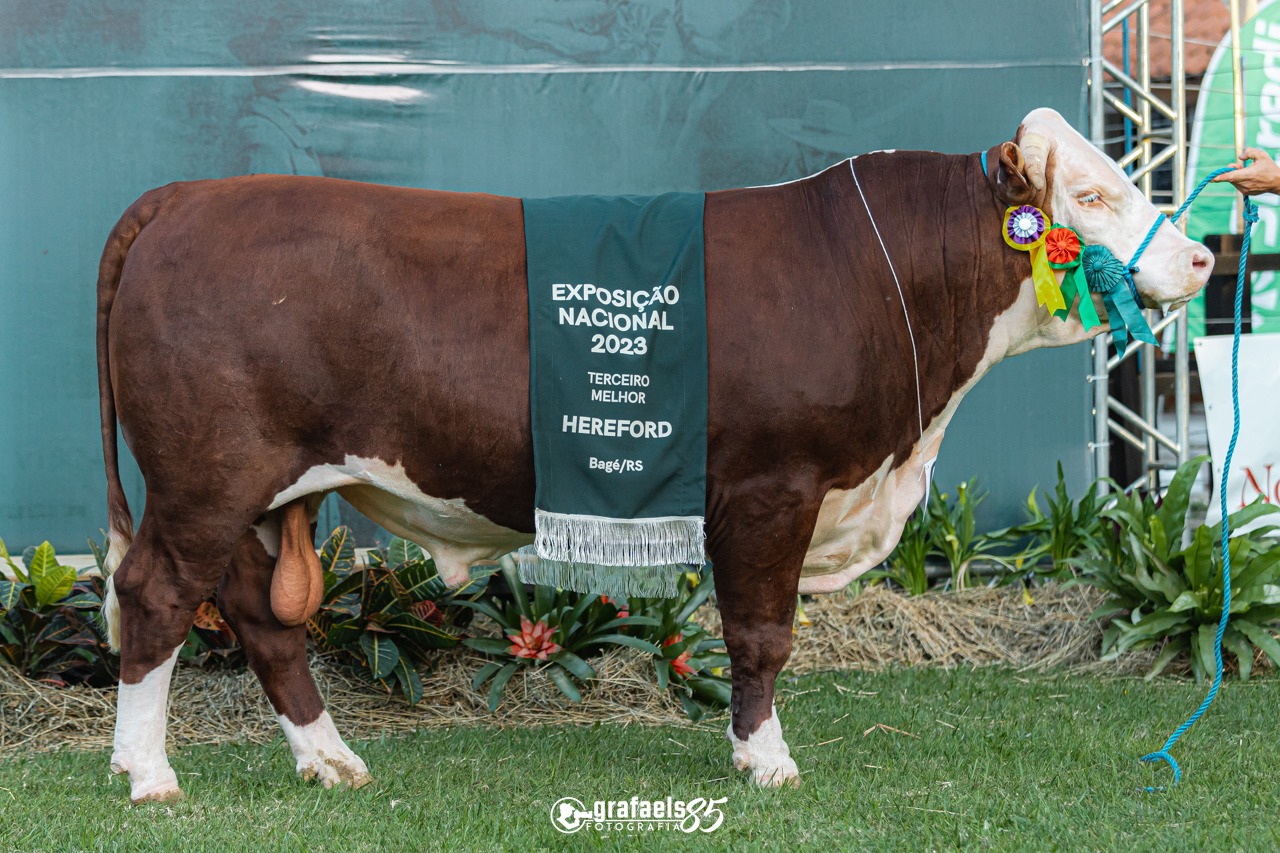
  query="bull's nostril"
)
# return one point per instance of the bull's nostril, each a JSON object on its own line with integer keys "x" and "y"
{"x": 1201, "y": 261}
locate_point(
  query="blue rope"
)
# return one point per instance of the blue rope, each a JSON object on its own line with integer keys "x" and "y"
{"x": 1250, "y": 217}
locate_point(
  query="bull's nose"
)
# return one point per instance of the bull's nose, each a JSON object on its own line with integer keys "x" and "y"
{"x": 1201, "y": 263}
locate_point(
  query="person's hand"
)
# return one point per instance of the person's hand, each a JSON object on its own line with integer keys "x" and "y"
{"x": 1261, "y": 176}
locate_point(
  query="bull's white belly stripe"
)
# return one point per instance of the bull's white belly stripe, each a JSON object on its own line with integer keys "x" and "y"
{"x": 268, "y": 533}
{"x": 141, "y": 714}
{"x": 454, "y": 536}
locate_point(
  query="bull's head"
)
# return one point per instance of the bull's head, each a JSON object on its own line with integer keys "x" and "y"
{"x": 1051, "y": 166}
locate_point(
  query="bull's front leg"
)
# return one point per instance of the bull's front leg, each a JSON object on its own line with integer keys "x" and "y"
{"x": 757, "y": 574}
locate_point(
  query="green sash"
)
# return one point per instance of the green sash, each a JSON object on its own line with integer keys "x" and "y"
{"x": 618, "y": 391}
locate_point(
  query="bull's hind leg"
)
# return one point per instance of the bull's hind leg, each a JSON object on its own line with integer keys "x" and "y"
{"x": 278, "y": 655}
{"x": 757, "y": 574}
{"x": 157, "y": 588}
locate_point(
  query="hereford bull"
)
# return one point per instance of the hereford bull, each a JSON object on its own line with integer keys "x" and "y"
{"x": 267, "y": 340}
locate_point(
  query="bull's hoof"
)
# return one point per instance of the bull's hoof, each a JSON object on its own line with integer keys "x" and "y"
{"x": 766, "y": 755}
{"x": 781, "y": 773}
{"x": 164, "y": 795}
{"x": 783, "y": 776}
{"x": 335, "y": 771}
{"x": 158, "y": 786}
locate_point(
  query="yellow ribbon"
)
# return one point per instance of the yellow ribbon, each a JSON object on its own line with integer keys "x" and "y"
{"x": 1048, "y": 293}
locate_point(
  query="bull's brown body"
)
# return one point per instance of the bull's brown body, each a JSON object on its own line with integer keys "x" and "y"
{"x": 252, "y": 328}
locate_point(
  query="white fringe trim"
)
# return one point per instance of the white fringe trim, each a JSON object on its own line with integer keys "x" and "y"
{"x": 621, "y": 582}
{"x": 600, "y": 541}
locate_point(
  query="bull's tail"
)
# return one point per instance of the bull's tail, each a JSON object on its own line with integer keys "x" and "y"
{"x": 119, "y": 519}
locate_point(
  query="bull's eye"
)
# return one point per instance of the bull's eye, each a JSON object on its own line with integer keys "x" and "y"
{"x": 1091, "y": 198}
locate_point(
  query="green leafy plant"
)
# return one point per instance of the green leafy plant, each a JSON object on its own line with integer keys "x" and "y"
{"x": 48, "y": 625}
{"x": 691, "y": 661}
{"x": 1165, "y": 593}
{"x": 389, "y": 616}
{"x": 554, "y": 630}
{"x": 907, "y": 566}
{"x": 1068, "y": 530}
{"x": 952, "y": 528}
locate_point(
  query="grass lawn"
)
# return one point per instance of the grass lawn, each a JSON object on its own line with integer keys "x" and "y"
{"x": 998, "y": 760}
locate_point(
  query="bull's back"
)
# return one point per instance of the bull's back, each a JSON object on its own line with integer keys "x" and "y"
{"x": 313, "y": 319}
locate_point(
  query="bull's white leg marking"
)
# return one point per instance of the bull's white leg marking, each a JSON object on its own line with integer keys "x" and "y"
{"x": 322, "y": 754}
{"x": 142, "y": 710}
{"x": 765, "y": 754}
{"x": 456, "y": 537}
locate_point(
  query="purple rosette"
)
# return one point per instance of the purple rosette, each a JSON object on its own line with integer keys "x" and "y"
{"x": 1025, "y": 225}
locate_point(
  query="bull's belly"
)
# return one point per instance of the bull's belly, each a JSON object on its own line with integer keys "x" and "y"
{"x": 858, "y": 528}
{"x": 455, "y": 537}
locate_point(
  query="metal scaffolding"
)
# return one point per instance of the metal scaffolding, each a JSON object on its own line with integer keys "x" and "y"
{"x": 1159, "y": 136}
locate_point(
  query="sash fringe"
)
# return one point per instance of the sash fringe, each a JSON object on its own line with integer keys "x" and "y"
{"x": 618, "y": 542}
{"x": 621, "y": 582}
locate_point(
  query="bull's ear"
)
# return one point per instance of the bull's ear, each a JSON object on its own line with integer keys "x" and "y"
{"x": 1012, "y": 179}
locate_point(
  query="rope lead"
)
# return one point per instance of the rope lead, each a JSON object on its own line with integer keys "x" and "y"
{"x": 1250, "y": 217}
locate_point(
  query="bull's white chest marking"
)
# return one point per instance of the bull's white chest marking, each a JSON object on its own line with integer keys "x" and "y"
{"x": 454, "y": 536}
{"x": 858, "y": 528}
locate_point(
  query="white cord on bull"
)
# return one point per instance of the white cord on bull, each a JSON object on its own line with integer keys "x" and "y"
{"x": 926, "y": 470}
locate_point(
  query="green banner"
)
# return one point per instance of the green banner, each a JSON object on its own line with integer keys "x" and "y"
{"x": 618, "y": 388}
{"x": 1217, "y": 210}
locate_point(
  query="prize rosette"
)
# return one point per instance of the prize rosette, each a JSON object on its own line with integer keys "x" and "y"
{"x": 1025, "y": 228}
{"x": 1063, "y": 248}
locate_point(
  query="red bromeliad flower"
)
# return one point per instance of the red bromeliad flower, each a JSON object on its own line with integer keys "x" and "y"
{"x": 681, "y": 663}
{"x": 533, "y": 641}
{"x": 623, "y": 612}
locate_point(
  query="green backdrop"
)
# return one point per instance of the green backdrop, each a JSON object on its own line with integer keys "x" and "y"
{"x": 101, "y": 100}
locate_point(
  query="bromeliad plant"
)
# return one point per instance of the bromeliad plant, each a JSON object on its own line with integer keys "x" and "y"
{"x": 556, "y": 630}
{"x": 1165, "y": 592}
{"x": 49, "y": 628}
{"x": 387, "y": 618}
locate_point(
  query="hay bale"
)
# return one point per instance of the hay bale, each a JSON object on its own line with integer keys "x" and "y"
{"x": 978, "y": 627}
{"x": 875, "y": 629}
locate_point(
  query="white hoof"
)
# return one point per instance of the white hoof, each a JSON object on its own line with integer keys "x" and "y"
{"x": 141, "y": 710}
{"x": 329, "y": 770}
{"x": 154, "y": 786}
{"x": 784, "y": 775}
{"x": 323, "y": 756}
{"x": 766, "y": 755}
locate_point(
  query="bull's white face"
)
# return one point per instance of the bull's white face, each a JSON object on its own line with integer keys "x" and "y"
{"x": 1089, "y": 192}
